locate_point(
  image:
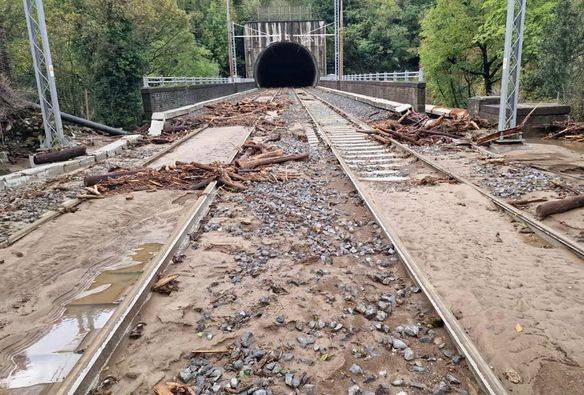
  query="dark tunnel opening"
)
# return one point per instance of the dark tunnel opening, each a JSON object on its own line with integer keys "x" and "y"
{"x": 285, "y": 64}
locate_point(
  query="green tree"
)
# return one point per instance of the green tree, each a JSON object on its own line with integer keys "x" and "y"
{"x": 115, "y": 60}
{"x": 559, "y": 69}
{"x": 462, "y": 45}
{"x": 382, "y": 35}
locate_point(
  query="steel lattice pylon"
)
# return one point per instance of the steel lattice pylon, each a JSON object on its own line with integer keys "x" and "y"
{"x": 44, "y": 73}
{"x": 233, "y": 51}
{"x": 511, "y": 67}
{"x": 231, "y": 42}
{"x": 338, "y": 6}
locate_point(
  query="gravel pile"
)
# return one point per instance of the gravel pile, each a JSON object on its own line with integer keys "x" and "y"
{"x": 511, "y": 182}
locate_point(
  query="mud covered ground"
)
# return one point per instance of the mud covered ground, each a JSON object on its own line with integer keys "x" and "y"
{"x": 291, "y": 287}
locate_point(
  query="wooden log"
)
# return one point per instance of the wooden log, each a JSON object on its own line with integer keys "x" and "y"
{"x": 505, "y": 133}
{"x": 381, "y": 139}
{"x": 264, "y": 155}
{"x": 59, "y": 156}
{"x": 226, "y": 180}
{"x": 398, "y": 135}
{"x": 271, "y": 161}
{"x": 89, "y": 181}
{"x": 559, "y": 206}
{"x": 523, "y": 202}
{"x": 159, "y": 140}
{"x": 203, "y": 183}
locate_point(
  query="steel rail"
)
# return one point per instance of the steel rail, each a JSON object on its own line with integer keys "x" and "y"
{"x": 479, "y": 367}
{"x": 86, "y": 372}
{"x": 533, "y": 223}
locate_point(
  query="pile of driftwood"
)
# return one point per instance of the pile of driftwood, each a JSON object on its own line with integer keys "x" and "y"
{"x": 568, "y": 130}
{"x": 251, "y": 166}
{"x": 244, "y": 113}
{"x": 418, "y": 129}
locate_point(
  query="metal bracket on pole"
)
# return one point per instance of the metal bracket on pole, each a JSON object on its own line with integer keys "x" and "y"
{"x": 44, "y": 73}
{"x": 511, "y": 69}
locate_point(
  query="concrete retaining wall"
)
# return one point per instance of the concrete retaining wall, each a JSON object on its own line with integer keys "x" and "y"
{"x": 168, "y": 97}
{"x": 487, "y": 107}
{"x": 413, "y": 93}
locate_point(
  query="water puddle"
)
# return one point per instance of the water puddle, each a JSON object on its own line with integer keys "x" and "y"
{"x": 53, "y": 355}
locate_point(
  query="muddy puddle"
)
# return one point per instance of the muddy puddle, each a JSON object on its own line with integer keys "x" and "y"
{"x": 54, "y": 353}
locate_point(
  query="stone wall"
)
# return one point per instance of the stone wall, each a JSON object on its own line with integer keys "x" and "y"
{"x": 413, "y": 93}
{"x": 167, "y": 98}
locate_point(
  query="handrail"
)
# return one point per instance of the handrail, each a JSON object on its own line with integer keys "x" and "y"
{"x": 150, "y": 82}
{"x": 393, "y": 76}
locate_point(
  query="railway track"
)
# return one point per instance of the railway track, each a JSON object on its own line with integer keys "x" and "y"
{"x": 381, "y": 152}
{"x": 366, "y": 160}
{"x": 86, "y": 372}
{"x": 98, "y": 347}
{"x": 371, "y": 166}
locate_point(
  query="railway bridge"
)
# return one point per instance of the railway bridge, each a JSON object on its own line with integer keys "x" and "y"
{"x": 299, "y": 231}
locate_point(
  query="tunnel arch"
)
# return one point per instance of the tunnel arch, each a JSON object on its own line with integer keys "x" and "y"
{"x": 285, "y": 64}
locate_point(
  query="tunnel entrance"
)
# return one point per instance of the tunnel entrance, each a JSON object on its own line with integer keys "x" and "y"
{"x": 285, "y": 64}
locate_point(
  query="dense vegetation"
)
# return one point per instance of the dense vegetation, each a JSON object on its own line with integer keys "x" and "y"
{"x": 462, "y": 49}
{"x": 102, "y": 48}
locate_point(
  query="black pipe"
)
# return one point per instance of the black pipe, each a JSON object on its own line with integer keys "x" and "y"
{"x": 84, "y": 122}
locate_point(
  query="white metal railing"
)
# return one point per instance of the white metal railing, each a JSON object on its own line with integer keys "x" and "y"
{"x": 150, "y": 82}
{"x": 394, "y": 76}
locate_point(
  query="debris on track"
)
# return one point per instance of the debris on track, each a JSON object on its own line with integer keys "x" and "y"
{"x": 242, "y": 113}
{"x": 194, "y": 176}
{"x": 418, "y": 129}
{"x": 568, "y": 130}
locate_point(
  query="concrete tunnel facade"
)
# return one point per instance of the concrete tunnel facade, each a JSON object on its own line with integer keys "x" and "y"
{"x": 285, "y": 64}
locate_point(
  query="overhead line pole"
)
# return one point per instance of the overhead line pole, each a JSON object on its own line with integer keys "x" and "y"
{"x": 338, "y": 6}
{"x": 511, "y": 68}
{"x": 341, "y": 41}
{"x": 230, "y": 42}
{"x": 44, "y": 73}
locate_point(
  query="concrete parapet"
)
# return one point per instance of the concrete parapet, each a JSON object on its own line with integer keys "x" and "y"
{"x": 164, "y": 98}
{"x": 413, "y": 93}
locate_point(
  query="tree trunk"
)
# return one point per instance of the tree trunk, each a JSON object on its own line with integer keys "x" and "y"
{"x": 559, "y": 206}
{"x": 59, "y": 156}
{"x": 486, "y": 71}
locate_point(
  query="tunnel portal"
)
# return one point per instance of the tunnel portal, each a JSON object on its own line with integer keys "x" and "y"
{"x": 285, "y": 64}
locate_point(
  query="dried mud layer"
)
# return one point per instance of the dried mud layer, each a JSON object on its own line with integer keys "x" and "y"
{"x": 44, "y": 273}
{"x": 291, "y": 287}
{"x": 538, "y": 169}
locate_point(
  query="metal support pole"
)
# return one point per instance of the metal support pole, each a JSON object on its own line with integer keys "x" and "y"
{"x": 233, "y": 50}
{"x": 336, "y": 10}
{"x": 511, "y": 68}
{"x": 44, "y": 73}
{"x": 341, "y": 61}
{"x": 230, "y": 44}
